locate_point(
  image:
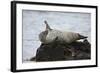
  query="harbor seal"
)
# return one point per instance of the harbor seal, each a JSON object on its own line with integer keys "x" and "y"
{"x": 49, "y": 35}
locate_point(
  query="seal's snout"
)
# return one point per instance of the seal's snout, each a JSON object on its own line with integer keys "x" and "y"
{"x": 45, "y": 22}
{"x": 47, "y": 25}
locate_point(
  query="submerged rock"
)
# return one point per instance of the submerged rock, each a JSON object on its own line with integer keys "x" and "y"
{"x": 57, "y": 51}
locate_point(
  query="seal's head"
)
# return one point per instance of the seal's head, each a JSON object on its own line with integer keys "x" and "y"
{"x": 43, "y": 34}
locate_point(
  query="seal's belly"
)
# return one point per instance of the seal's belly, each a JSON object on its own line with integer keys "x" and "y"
{"x": 67, "y": 37}
{"x": 52, "y": 35}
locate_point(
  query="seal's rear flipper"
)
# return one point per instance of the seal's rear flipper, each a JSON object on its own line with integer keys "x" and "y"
{"x": 82, "y": 37}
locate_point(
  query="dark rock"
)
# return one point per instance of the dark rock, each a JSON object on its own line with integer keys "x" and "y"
{"x": 57, "y": 51}
{"x": 50, "y": 52}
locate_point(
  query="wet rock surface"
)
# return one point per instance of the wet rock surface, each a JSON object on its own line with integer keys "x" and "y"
{"x": 57, "y": 51}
